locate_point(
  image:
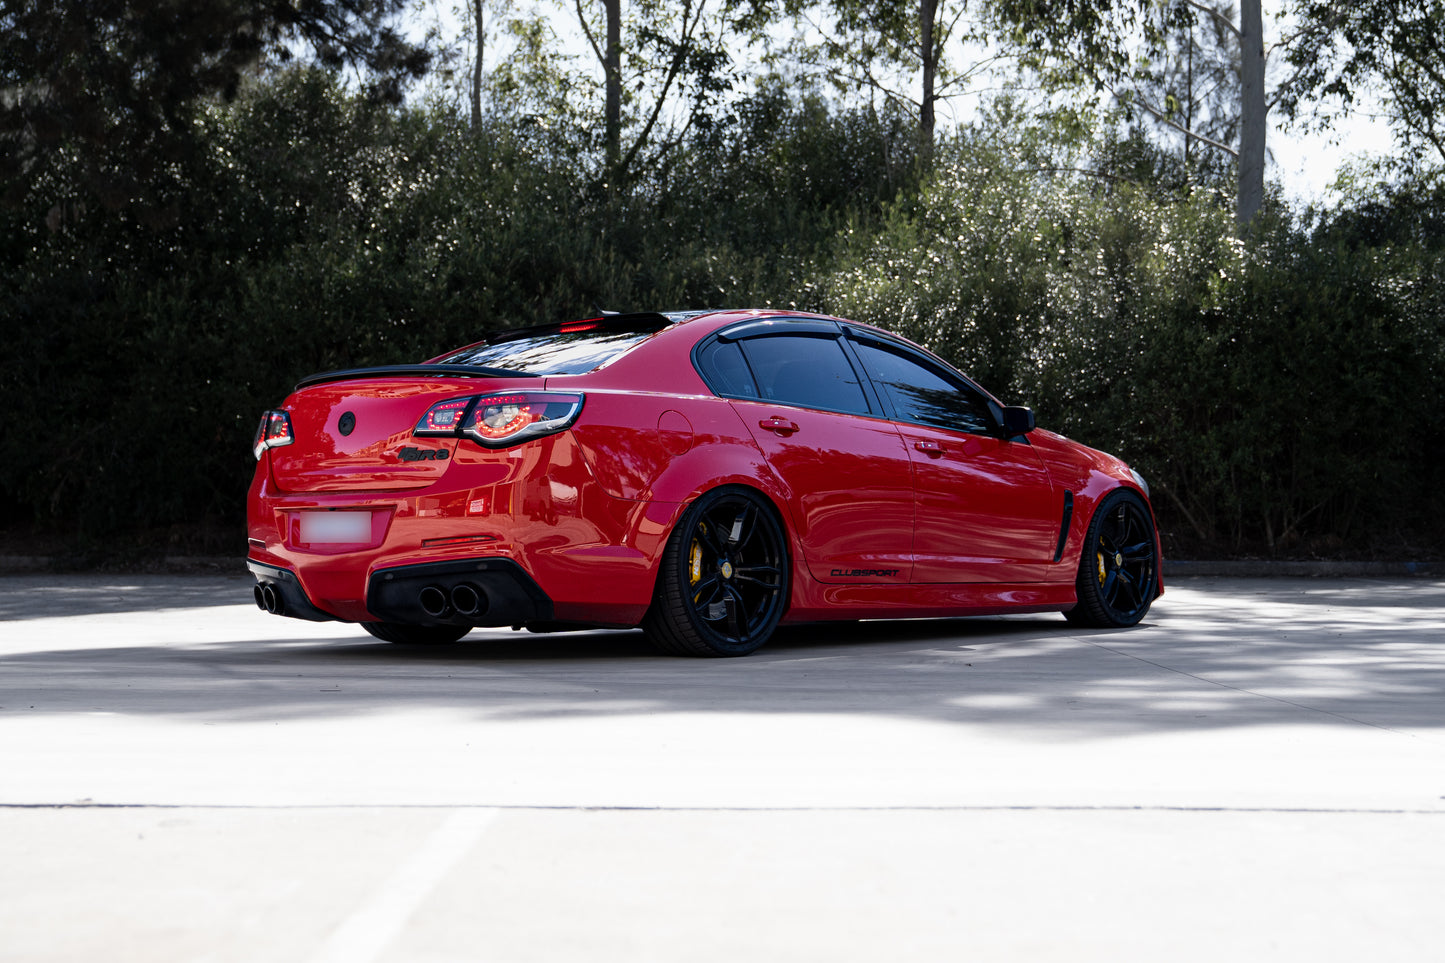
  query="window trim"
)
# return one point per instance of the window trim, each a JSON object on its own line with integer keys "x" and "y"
{"x": 865, "y": 383}
{"x": 701, "y": 370}
{"x": 759, "y": 329}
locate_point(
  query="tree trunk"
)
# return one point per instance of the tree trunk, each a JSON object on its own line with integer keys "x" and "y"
{"x": 927, "y": 16}
{"x": 612, "y": 67}
{"x": 1189, "y": 107}
{"x": 1253, "y": 113}
{"x": 481, "y": 35}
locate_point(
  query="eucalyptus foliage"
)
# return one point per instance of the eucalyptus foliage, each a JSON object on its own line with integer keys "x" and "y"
{"x": 1395, "y": 48}
{"x": 108, "y": 87}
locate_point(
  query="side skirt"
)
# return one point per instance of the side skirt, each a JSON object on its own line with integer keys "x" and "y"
{"x": 843, "y": 602}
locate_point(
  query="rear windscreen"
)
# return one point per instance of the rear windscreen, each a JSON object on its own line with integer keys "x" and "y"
{"x": 551, "y": 353}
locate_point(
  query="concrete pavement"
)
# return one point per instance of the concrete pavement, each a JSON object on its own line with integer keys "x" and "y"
{"x": 1257, "y": 773}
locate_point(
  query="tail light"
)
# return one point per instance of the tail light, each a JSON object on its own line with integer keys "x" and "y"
{"x": 500, "y": 420}
{"x": 274, "y": 431}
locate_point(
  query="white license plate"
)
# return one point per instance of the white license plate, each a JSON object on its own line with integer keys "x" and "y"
{"x": 335, "y": 527}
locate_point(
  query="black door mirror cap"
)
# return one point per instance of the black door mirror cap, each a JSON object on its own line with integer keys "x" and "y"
{"x": 1017, "y": 420}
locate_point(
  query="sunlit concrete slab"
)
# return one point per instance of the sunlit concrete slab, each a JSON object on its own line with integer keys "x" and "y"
{"x": 1256, "y": 773}
{"x": 421, "y": 884}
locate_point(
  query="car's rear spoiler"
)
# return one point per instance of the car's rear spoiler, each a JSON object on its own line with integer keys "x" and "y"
{"x": 412, "y": 371}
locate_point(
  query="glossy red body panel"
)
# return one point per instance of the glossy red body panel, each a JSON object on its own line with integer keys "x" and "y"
{"x": 537, "y": 504}
{"x": 987, "y": 508}
{"x": 967, "y": 525}
{"x": 842, "y": 475}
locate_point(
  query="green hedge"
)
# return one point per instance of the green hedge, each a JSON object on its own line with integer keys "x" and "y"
{"x": 1280, "y": 394}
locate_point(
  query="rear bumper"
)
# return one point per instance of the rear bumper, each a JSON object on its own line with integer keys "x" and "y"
{"x": 556, "y": 546}
{"x": 481, "y": 592}
{"x": 475, "y": 592}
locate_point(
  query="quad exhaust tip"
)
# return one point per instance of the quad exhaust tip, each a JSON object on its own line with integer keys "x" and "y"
{"x": 268, "y": 599}
{"x": 434, "y": 601}
{"x": 467, "y": 599}
{"x": 464, "y": 599}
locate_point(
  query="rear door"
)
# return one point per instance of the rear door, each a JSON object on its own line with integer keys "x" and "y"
{"x": 986, "y": 508}
{"x": 821, "y": 429}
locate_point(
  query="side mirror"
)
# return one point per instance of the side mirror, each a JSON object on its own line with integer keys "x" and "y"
{"x": 1017, "y": 420}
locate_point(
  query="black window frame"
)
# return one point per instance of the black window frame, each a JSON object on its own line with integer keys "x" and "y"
{"x": 706, "y": 371}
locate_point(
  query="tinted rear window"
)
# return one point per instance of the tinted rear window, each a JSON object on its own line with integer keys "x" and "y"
{"x": 575, "y": 352}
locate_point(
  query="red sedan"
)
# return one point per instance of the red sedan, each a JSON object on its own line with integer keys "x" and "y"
{"x": 703, "y": 475}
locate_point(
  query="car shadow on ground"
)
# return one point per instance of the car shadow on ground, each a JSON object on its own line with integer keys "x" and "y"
{"x": 500, "y": 645}
{"x": 1215, "y": 655}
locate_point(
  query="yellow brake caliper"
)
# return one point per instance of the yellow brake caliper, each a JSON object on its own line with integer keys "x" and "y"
{"x": 1100, "y": 557}
{"x": 694, "y": 566}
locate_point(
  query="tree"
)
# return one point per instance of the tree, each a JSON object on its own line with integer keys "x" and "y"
{"x": 863, "y": 41}
{"x": 1396, "y": 46}
{"x": 1193, "y": 91}
{"x": 676, "y": 68}
{"x": 1116, "y": 44}
{"x": 477, "y": 9}
{"x": 112, "y": 82}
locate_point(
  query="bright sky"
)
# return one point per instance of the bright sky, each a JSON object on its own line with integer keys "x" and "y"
{"x": 1306, "y": 164}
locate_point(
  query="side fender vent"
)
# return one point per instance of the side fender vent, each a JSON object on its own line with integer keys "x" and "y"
{"x": 1064, "y": 525}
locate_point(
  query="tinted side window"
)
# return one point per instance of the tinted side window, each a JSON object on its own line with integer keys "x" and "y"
{"x": 722, "y": 366}
{"x": 925, "y": 394}
{"x": 804, "y": 370}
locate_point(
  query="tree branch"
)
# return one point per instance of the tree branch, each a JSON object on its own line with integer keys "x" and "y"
{"x": 587, "y": 31}
{"x": 1219, "y": 17}
{"x": 1165, "y": 119}
{"x": 1283, "y": 86}
{"x": 679, "y": 57}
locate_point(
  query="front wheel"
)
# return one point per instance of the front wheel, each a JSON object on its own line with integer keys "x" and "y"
{"x": 723, "y": 582}
{"x": 403, "y": 634}
{"x": 1119, "y": 569}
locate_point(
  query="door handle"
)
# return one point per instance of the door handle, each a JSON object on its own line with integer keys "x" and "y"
{"x": 932, "y": 449}
{"x": 778, "y": 425}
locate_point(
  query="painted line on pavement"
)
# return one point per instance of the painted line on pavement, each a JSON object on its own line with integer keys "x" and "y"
{"x": 372, "y": 927}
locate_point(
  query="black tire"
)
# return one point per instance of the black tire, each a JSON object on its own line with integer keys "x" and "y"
{"x": 723, "y": 583}
{"x": 1119, "y": 568}
{"x": 403, "y": 634}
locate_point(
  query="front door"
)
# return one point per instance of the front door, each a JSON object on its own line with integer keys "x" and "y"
{"x": 985, "y": 506}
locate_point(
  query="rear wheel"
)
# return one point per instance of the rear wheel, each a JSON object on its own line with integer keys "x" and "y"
{"x": 724, "y": 577}
{"x": 404, "y": 634}
{"x": 1119, "y": 569}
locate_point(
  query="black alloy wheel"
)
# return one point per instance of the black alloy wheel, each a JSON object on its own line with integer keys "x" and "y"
{"x": 403, "y": 634}
{"x": 723, "y": 583}
{"x": 1119, "y": 569}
